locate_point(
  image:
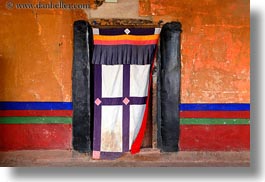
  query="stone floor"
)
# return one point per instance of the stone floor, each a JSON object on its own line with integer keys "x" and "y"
{"x": 146, "y": 158}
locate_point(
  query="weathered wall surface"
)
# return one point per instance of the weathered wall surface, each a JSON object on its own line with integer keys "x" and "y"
{"x": 36, "y": 53}
{"x": 215, "y": 64}
{"x": 215, "y": 47}
{"x": 36, "y": 64}
{"x": 122, "y": 9}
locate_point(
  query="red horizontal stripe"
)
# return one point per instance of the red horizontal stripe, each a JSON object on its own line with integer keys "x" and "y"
{"x": 183, "y": 114}
{"x": 126, "y": 42}
{"x": 35, "y": 136}
{"x": 10, "y": 113}
{"x": 216, "y": 114}
{"x": 214, "y": 137}
{"x": 59, "y": 136}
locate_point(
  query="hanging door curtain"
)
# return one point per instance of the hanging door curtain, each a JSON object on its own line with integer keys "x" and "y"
{"x": 122, "y": 61}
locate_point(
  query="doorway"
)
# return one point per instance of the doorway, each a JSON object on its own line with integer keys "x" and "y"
{"x": 155, "y": 136}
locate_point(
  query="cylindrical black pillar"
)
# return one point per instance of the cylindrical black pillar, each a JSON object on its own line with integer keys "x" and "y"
{"x": 81, "y": 83}
{"x": 168, "y": 84}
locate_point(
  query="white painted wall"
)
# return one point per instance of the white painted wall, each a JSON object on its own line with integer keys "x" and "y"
{"x": 121, "y": 9}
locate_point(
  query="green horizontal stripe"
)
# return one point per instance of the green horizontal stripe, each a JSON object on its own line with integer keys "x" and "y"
{"x": 207, "y": 121}
{"x": 68, "y": 120}
{"x": 35, "y": 120}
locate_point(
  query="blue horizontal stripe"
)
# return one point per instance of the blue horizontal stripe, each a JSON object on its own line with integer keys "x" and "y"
{"x": 68, "y": 106}
{"x": 215, "y": 107}
{"x": 36, "y": 106}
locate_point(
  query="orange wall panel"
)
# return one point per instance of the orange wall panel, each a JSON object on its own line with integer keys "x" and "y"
{"x": 36, "y": 50}
{"x": 214, "y": 47}
{"x": 36, "y": 54}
